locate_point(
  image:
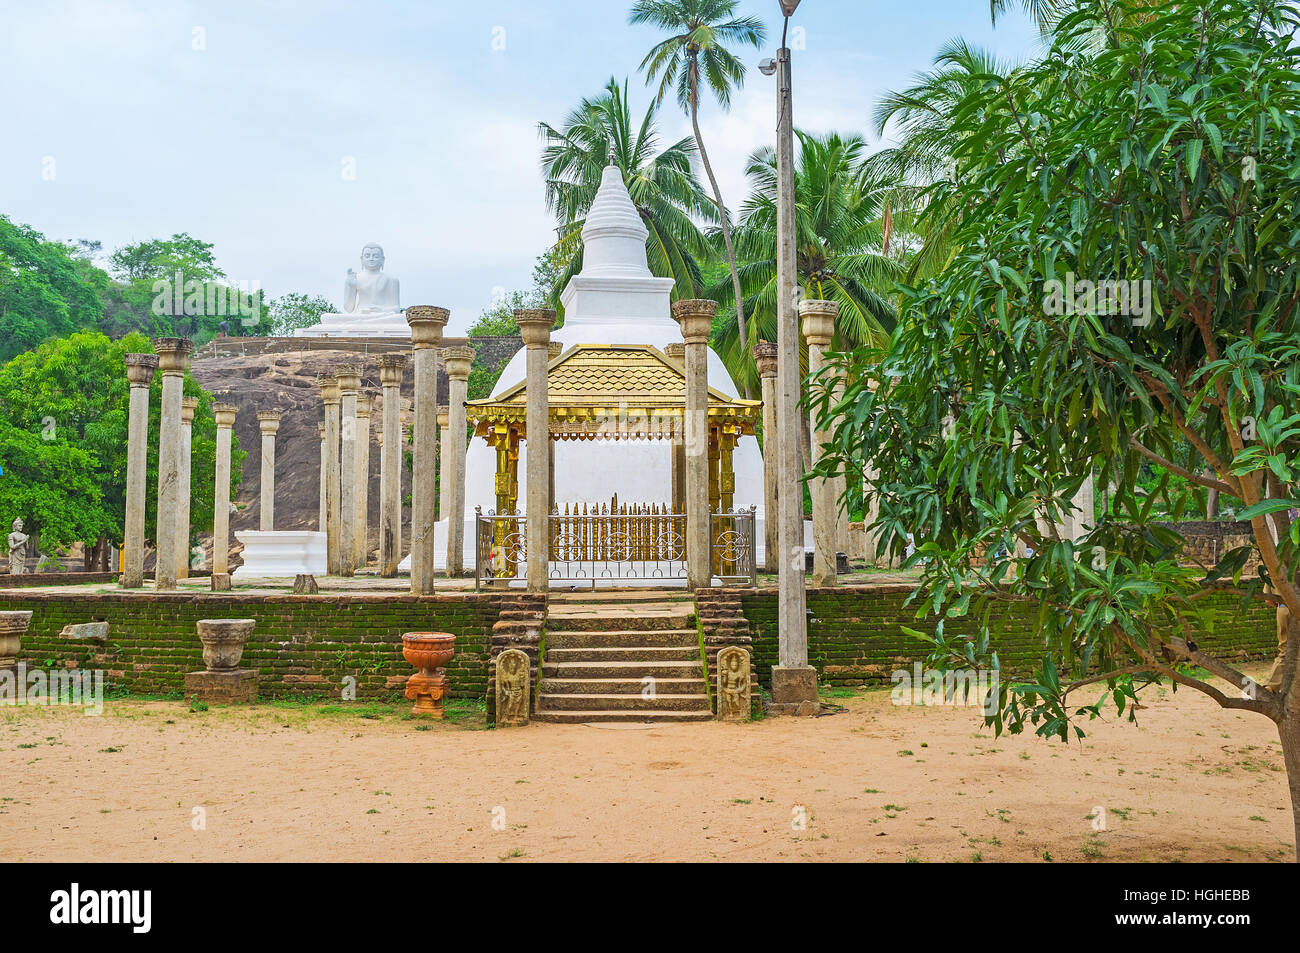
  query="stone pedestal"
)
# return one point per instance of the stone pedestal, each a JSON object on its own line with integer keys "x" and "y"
{"x": 269, "y": 422}
{"x": 173, "y": 358}
{"x": 426, "y": 323}
{"x": 349, "y": 377}
{"x": 225, "y": 415}
{"x": 535, "y": 327}
{"x": 765, "y": 356}
{"x": 818, "y": 330}
{"x": 696, "y": 319}
{"x": 794, "y": 690}
{"x": 235, "y": 687}
{"x": 184, "y": 556}
{"x": 459, "y": 360}
{"x": 391, "y": 369}
{"x": 140, "y": 370}
{"x": 221, "y": 582}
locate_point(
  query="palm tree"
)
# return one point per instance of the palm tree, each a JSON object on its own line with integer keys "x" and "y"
{"x": 840, "y": 233}
{"x": 1043, "y": 12}
{"x": 662, "y": 184}
{"x": 700, "y": 31}
{"x": 909, "y": 172}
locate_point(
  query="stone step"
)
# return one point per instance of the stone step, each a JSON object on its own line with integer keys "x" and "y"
{"x": 628, "y": 620}
{"x": 621, "y": 597}
{"x": 621, "y": 638}
{"x": 619, "y": 668}
{"x": 596, "y": 701}
{"x": 621, "y": 717}
{"x": 622, "y": 686}
{"x": 625, "y": 653}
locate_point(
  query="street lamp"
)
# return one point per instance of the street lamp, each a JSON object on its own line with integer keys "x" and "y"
{"x": 794, "y": 681}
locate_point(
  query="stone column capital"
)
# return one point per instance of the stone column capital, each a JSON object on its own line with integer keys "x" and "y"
{"x": 459, "y": 360}
{"x": 269, "y": 421}
{"x": 427, "y": 322}
{"x": 349, "y": 378}
{"x": 765, "y": 354}
{"x": 173, "y": 354}
{"x": 329, "y": 388}
{"x": 818, "y": 320}
{"x": 535, "y": 325}
{"x": 140, "y": 369}
{"x": 391, "y": 369}
{"x": 188, "y": 406}
{"x": 444, "y": 415}
{"x": 225, "y": 414}
{"x": 695, "y": 315}
{"x": 554, "y": 349}
{"x": 676, "y": 350}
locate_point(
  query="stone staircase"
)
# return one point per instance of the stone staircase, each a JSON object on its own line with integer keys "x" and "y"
{"x": 622, "y": 656}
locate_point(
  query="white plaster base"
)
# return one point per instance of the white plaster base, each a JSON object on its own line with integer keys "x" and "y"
{"x": 281, "y": 555}
{"x": 390, "y": 325}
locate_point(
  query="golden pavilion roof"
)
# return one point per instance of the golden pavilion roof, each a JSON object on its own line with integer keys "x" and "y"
{"x": 612, "y": 390}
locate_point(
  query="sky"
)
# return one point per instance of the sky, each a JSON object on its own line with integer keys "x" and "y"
{"x": 290, "y": 134}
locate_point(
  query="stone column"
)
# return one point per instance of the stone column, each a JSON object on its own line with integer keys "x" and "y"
{"x": 139, "y": 373}
{"x": 323, "y": 463}
{"x": 677, "y": 351}
{"x": 535, "y": 326}
{"x": 391, "y": 368}
{"x": 349, "y": 376}
{"x": 225, "y": 414}
{"x": 459, "y": 360}
{"x": 696, "y": 319}
{"x": 269, "y": 423}
{"x": 426, "y": 323}
{"x": 444, "y": 459}
{"x": 794, "y": 681}
{"x": 765, "y": 357}
{"x": 173, "y": 358}
{"x": 329, "y": 388}
{"x": 362, "y": 537}
{"x": 188, "y": 406}
{"x": 818, "y": 319}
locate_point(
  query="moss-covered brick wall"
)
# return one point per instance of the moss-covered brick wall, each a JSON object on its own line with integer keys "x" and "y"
{"x": 855, "y": 635}
{"x": 303, "y": 645}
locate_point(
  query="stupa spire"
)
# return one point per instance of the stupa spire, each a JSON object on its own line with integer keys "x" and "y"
{"x": 613, "y": 237}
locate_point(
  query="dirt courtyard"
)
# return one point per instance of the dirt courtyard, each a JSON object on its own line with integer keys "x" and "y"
{"x": 154, "y": 781}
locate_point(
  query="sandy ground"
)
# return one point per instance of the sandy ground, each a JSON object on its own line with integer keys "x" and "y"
{"x": 876, "y": 782}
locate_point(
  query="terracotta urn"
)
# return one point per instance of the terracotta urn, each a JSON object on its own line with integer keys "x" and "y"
{"x": 429, "y": 652}
{"x": 13, "y": 626}
{"x": 223, "y": 642}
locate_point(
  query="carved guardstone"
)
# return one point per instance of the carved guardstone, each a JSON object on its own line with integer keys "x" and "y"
{"x": 512, "y": 688}
{"x": 733, "y": 684}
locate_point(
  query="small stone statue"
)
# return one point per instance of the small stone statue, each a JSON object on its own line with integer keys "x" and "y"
{"x": 18, "y": 549}
{"x": 733, "y": 684}
{"x": 512, "y": 688}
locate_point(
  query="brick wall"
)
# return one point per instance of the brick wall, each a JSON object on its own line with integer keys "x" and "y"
{"x": 303, "y": 645}
{"x": 854, "y": 634}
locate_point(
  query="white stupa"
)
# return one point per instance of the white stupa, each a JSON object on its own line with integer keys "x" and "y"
{"x": 615, "y": 300}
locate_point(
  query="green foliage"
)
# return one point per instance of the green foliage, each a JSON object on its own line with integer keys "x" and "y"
{"x": 1155, "y": 143}
{"x": 44, "y": 290}
{"x": 162, "y": 258}
{"x": 295, "y": 310}
{"x": 839, "y": 232}
{"x": 65, "y": 406}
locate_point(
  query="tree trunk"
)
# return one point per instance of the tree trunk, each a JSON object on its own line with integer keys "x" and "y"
{"x": 726, "y": 229}
{"x": 1288, "y": 731}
